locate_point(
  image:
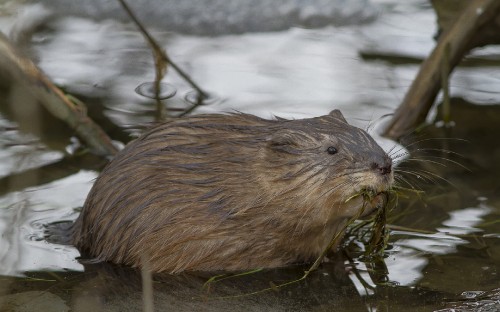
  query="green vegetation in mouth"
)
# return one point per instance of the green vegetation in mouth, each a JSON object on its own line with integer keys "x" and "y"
{"x": 380, "y": 234}
{"x": 379, "y": 230}
{"x": 368, "y": 195}
{"x": 376, "y": 224}
{"x": 374, "y": 233}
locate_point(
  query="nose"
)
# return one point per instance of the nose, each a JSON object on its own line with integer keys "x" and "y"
{"x": 384, "y": 167}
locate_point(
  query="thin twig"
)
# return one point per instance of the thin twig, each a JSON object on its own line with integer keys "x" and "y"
{"x": 159, "y": 51}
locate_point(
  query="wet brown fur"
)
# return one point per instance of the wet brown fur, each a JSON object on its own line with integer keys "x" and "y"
{"x": 229, "y": 192}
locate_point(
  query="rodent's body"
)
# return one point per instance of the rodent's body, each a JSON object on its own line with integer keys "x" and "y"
{"x": 230, "y": 192}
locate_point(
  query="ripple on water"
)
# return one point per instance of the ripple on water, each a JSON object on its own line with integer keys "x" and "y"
{"x": 148, "y": 89}
{"x": 22, "y": 224}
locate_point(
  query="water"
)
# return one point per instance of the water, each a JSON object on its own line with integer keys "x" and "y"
{"x": 444, "y": 245}
{"x": 217, "y": 17}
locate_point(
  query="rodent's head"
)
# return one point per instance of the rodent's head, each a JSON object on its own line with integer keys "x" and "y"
{"x": 328, "y": 158}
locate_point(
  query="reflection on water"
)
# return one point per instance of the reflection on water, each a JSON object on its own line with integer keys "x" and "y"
{"x": 21, "y": 151}
{"x": 22, "y": 221}
{"x": 447, "y": 240}
{"x": 463, "y": 221}
{"x": 413, "y": 253}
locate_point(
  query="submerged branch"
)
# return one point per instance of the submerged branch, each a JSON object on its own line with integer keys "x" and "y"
{"x": 459, "y": 38}
{"x": 23, "y": 73}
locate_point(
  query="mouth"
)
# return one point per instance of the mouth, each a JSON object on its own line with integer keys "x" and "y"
{"x": 366, "y": 201}
{"x": 374, "y": 198}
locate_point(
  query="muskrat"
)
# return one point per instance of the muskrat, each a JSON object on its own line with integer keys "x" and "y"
{"x": 231, "y": 192}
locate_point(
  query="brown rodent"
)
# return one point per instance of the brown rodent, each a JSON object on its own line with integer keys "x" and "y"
{"x": 231, "y": 192}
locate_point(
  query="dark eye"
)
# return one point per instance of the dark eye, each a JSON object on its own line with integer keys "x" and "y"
{"x": 331, "y": 150}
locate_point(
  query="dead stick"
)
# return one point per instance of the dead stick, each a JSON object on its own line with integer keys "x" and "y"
{"x": 425, "y": 87}
{"x": 445, "y": 86}
{"x": 25, "y": 73}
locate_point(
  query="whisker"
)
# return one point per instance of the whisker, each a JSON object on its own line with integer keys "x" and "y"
{"x": 419, "y": 175}
{"x": 413, "y": 174}
{"x": 422, "y": 159}
{"x": 391, "y": 150}
{"x": 425, "y": 161}
{"x": 427, "y": 174}
{"x": 399, "y": 158}
{"x": 401, "y": 178}
{"x": 435, "y": 139}
{"x": 407, "y": 147}
{"x": 372, "y": 122}
{"x": 441, "y": 150}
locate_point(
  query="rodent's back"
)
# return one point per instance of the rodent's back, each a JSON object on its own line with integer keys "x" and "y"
{"x": 227, "y": 192}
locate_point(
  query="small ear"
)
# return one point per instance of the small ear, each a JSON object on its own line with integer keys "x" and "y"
{"x": 337, "y": 114}
{"x": 284, "y": 141}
